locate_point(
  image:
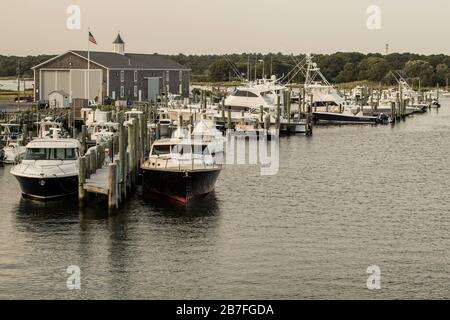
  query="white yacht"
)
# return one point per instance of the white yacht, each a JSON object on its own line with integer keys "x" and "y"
{"x": 252, "y": 95}
{"x": 102, "y": 131}
{"x": 49, "y": 169}
{"x": 181, "y": 169}
{"x": 13, "y": 152}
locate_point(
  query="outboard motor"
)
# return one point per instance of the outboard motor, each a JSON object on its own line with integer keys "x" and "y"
{"x": 383, "y": 118}
{"x": 435, "y": 103}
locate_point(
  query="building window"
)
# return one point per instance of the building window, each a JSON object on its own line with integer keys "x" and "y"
{"x": 180, "y": 89}
{"x": 122, "y": 91}
{"x": 167, "y": 76}
{"x": 122, "y": 76}
{"x": 135, "y": 76}
{"x": 181, "y": 76}
{"x": 135, "y": 91}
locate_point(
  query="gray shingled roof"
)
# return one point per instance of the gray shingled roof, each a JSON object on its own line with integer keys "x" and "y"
{"x": 131, "y": 60}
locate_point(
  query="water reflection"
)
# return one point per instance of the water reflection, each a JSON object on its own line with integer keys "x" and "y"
{"x": 198, "y": 207}
{"x": 30, "y": 211}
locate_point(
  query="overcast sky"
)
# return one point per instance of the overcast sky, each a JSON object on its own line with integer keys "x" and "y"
{"x": 225, "y": 26}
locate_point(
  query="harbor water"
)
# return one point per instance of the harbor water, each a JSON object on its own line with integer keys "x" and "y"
{"x": 344, "y": 199}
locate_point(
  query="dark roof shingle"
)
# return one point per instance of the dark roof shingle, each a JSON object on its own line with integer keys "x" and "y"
{"x": 131, "y": 60}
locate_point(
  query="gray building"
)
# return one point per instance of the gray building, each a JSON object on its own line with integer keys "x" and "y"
{"x": 117, "y": 74}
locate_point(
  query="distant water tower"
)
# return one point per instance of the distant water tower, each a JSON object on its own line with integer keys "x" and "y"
{"x": 387, "y": 48}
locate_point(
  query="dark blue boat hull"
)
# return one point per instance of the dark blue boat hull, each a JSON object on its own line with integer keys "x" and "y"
{"x": 178, "y": 185}
{"x": 48, "y": 188}
{"x": 342, "y": 118}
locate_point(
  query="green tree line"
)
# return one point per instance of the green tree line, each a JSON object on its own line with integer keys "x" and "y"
{"x": 11, "y": 65}
{"x": 338, "y": 67}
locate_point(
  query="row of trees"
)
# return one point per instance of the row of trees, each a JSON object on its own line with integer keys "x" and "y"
{"x": 11, "y": 65}
{"x": 338, "y": 67}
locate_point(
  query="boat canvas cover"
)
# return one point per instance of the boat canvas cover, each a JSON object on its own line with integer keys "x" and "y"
{"x": 54, "y": 144}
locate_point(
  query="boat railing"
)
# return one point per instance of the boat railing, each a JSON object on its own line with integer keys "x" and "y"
{"x": 192, "y": 163}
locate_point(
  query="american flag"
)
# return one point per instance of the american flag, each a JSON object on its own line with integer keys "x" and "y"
{"x": 91, "y": 38}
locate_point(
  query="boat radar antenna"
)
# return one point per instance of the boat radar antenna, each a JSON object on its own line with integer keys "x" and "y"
{"x": 400, "y": 80}
{"x": 235, "y": 69}
{"x": 312, "y": 71}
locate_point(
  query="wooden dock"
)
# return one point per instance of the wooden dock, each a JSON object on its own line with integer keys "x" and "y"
{"x": 111, "y": 168}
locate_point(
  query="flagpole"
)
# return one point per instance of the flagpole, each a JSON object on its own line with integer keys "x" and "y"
{"x": 89, "y": 63}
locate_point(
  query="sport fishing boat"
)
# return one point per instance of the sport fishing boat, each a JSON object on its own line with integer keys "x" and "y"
{"x": 181, "y": 169}
{"x": 328, "y": 105}
{"x": 102, "y": 131}
{"x": 251, "y": 95}
{"x": 347, "y": 117}
{"x": 13, "y": 153}
{"x": 49, "y": 169}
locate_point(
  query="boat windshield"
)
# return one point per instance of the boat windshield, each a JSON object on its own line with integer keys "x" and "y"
{"x": 198, "y": 149}
{"x": 180, "y": 149}
{"x": 160, "y": 149}
{"x": 242, "y": 93}
{"x": 51, "y": 154}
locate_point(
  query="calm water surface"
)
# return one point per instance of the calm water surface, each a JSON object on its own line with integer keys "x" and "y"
{"x": 344, "y": 199}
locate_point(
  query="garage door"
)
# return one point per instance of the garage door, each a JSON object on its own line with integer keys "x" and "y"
{"x": 79, "y": 84}
{"x": 54, "y": 80}
{"x": 153, "y": 89}
{"x": 73, "y": 82}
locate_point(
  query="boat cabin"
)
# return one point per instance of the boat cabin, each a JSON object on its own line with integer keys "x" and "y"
{"x": 45, "y": 149}
{"x": 132, "y": 114}
{"x": 180, "y": 153}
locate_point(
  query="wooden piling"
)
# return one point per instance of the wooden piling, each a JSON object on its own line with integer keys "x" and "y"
{"x": 93, "y": 159}
{"x": 141, "y": 138}
{"x": 288, "y": 110}
{"x": 309, "y": 120}
{"x": 132, "y": 150}
{"x": 277, "y": 121}
{"x": 122, "y": 155}
{"x": 88, "y": 165}
{"x": 303, "y": 101}
{"x": 118, "y": 184}
{"x": 267, "y": 122}
{"x": 223, "y": 110}
{"x": 112, "y": 186}
{"x": 24, "y": 133}
{"x": 261, "y": 114}
{"x": 84, "y": 138}
{"x": 81, "y": 180}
